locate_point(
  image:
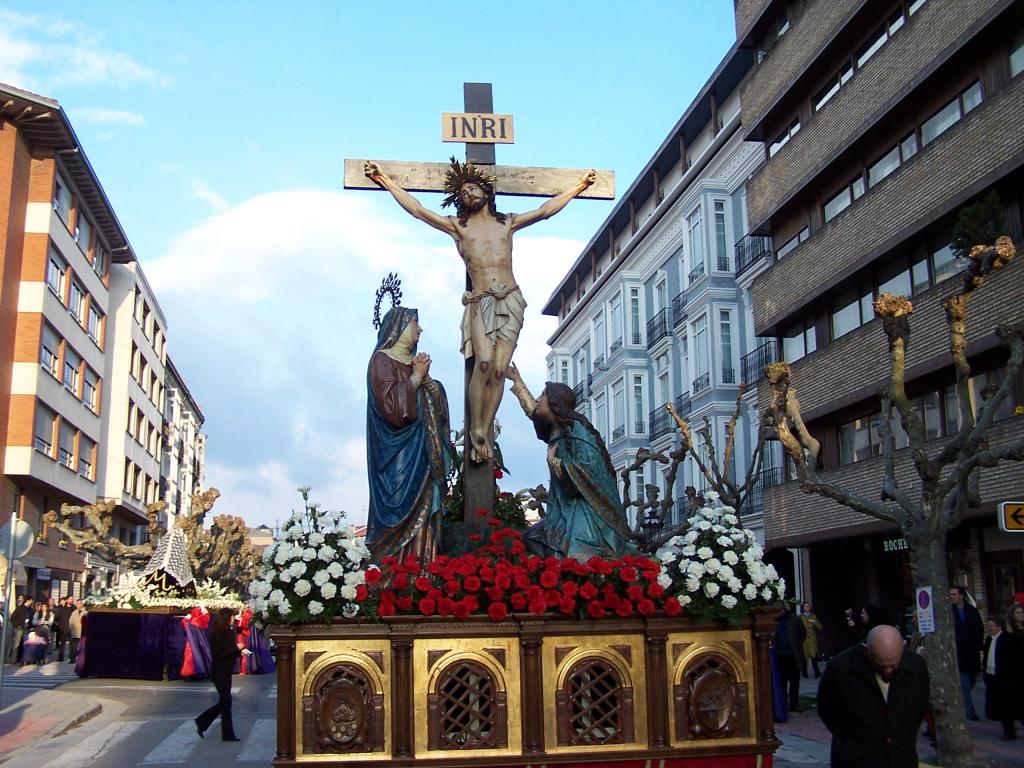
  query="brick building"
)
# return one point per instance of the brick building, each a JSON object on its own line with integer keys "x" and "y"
{"x": 880, "y": 121}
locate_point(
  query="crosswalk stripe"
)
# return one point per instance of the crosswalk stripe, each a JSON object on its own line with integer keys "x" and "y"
{"x": 87, "y": 750}
{"x": 260, "y": 743}
{"x": 176, "y": 748}
{"x": 272, "y": 691}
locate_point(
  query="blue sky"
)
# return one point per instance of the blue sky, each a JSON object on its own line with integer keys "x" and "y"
{"x": 219, "y": 132}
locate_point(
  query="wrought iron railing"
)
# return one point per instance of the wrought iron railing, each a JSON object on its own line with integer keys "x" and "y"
{"x": 728, "y": 375}
{"x": 752, "y": 365}
{"x": 640, "y": 427}
{"x": 696, "y": 273}
{"x": 701, "y": 382}
{"x": 723, "y": 264}
{"x": 767, "y": 478}
{"x": 660, "y": 422}
{"x": 682, "y": 406}
{"x": 750, "y": 250}
{"x": 616, "y": 346}
{"x": 657, "y": 328}
{"x": 581, "y": 392}
{"x": 678, "y": 310}
{"x": 618, "y": 433}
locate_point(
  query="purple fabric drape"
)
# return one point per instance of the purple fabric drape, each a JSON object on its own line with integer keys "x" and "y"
{"x": 175, "y": 652}
{"x": 778, "y": 691}
{"x": 200, "y": 645}
{"x": 128, "y": 644}
{"x": 261, "y": 662}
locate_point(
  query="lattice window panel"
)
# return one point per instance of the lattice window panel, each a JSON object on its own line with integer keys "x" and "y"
{"x": 466, "y": 710}
{"x": 709, "y": 702}
{"x": 343, "y": 714}
{"x": 594, "y": 707}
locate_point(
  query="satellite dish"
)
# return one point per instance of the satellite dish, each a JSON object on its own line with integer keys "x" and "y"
{"x": 23, "y": 538}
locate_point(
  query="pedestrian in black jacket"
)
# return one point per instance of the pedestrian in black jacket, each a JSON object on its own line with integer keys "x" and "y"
{"x": 970, "y": 632}
{"x": 224, "y": 649}
{"x": 789, "y": 649}
{"x": 21, "y": 620}
{"x": 872, "y": 698}
{"x": 63, "y": 614}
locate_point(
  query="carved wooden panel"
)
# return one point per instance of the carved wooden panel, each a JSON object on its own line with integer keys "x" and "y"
{"x": 739, "y": 646}
{"x": 498, "y": 654}
{"x": 594, "y": 707}
{"x": 709, "y": 703}
{"x": 343, "y": 714}
{"x": 309, "y": 657}
{"x": 377, "y": 657}
{"x": 626, "y": 651}
{"x": 678, "y": 649}
{"x": 466, "y": 710}
{"x": 562, "y": 651}
{"x": 434, "y": 654}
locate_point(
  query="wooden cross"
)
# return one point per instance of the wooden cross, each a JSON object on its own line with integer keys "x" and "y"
{"x": 478, "y": 479}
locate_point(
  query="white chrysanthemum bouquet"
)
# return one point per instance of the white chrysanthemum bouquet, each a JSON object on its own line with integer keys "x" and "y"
{"x": 317, "y": 570}
{"x": 716, "y": 569}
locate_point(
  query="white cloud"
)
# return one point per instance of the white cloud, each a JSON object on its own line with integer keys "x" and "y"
{"x": 270, "y": 304}
{"x": 43, "y": 53}
{"x": 203, "y": 191}
{"x": 109, "y": 116}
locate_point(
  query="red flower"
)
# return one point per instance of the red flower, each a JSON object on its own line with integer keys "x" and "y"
{"x": 503, "y": 581}
{"x": 494, "y": 593}
{"x": 389, "y": 561}
{"x": 645, "y": 607}
{"x": 533, "y": 593}
{"x": 498, "y": 474}
{"x": 412, "y": 562}
{"x": 461, "y": 611}
{"x": 404, "y": 603}
{"x": 599, "y": 566}
{"x": 451, "y": 587}
{"x": 567, "y": 605}
{"x": 386, "y": 609}
{"x": 400, "y": 582}
{"x": 624, "y": 608}
{"x": 611, "y": 600}
{"x": 497, "y": 611}
{"x": 373, "y": 576}
{"x": 471, "y": 603}
{"x": 495, "y": 522}
{"x": 553, "y": 597}
{"x": 361, "y": 593}
{"x": 422, "y": 584}
{"x": 474, "y": 537}
{"x": 635, "y": 592}
{"x": 538, "y": 606}
{"x": 446, "y": 606}
{"x": 471, "y": 584}
{"x": 595, "y": 609}
{"x": 518, "y": 600}
{"x": 672, "y": 607}
{"x": 628, "y": 573}
{"x": 588, "y": 591}
{"x": 570, "y": 588}
{"x": 549, "y": 579}
{"x": 427, "y": 606}
{"x": 655, "y": 590}
{"x": 482, "y": 512}
{"x": 505, "y": 495}
{"x": 387, "y": 596}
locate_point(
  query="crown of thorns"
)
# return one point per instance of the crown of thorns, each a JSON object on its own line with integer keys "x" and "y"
{"x": 389, "y": 285}
{"x": 463, "y": 173}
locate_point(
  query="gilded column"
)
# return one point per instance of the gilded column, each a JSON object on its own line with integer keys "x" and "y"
{"x": 657, "y": 690}
{"x": 401, "y": 698}
{"x": 286, "y": 673}
{"x": 532, "y": 695}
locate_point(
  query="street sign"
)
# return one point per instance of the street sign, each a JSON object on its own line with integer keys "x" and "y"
{"x": 1011, "y": 516}
{"x": 23, "y": 538}
{"x": 925, "y": 611}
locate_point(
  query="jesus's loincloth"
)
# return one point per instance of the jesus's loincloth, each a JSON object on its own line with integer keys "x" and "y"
{"x": 501, "y": 310}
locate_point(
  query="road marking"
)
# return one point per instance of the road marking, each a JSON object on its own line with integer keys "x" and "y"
{"x": 176, "y": 748}
{"x": 272, "y": 691}
{"x": 260, "y": 744}
{"x": 86, "y": 751}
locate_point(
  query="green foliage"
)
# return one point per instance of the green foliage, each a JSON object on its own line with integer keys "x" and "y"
{"x": 979, "y": 224}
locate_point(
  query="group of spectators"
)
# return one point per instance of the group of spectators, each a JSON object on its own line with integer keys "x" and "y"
{"x": 41, "y": 627}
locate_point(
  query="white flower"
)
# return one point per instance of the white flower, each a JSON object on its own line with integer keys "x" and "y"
{"x": 684, "y": 600}
{"x": 316, "y": 539}
{"x": 729, "y": 601}
{"x": 691, "y": 536}
{"x": 735, "y": 585}
{"x": 350, "y": 610}
{"x": 281, "y": 556}
{"x": 328, "y": 591}
{"x": 284, "y": 608}
{"x": 770, "y": 572}
{"x": 297, "y": 568}
{"x": 781, "y": 588}
{"x": 750, "y": 592}
{"x": 321, "y": 577}
{"x": 348, "y": 592}
{"x": 756, "y": 551}
{"x": 695, "y": 569}
{"x": 336, "y": 570}
{"x": 692, "y": 584}
{"x": 675, "y": 541}
{"x": 730, "y": 519}
{"x": 276, "y": 597}
{"x": 308, "y": 554}
{"x": 689, "y": 550}
{"x": 704, "y": 553}
{"x": 353, "y": 555}
{"x": 666, "y": 555}
{"x": 730, "y": 557}
{"x": 710, "y": 497}
{"x": 268, "y": 553}
{"x": 725, "y": 573}
{"x": 326, "y": 553}
{"x": 285, "y": 577}
{"x": 355, "y": 578}
{"x": 711, "y": 589}
{"x": 766, "y": 593}
{"x": 713, "y": 565}
{"x": 725, "y": 541}
{"x": 703, "y": 525}
{"x": 726, "y": 509}
{"x": 315, "y": 608}
{"x": 664, "y": 580}
{"x": 302, "y": 587}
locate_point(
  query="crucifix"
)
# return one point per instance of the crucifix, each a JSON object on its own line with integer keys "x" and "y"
{"x": 493, "y": 303}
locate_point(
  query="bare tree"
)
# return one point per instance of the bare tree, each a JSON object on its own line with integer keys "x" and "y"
{"x": 947, "y": 474}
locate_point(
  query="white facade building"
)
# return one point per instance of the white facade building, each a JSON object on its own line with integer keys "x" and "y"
{"x": 183, "y": 467}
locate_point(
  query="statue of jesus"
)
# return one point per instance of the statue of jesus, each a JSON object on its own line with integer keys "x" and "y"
{"x": 494, "y": 305}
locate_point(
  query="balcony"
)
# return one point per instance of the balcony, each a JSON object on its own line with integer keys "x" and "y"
{"x": 678, "y": 310}
{"x": 751, "y": 250}
{"x": 752, "y": 365}
{"x": 696, "y": 273}
{"x": 581, "y": 392}
{"x": 639, "y": 427}
{"x": 682, "y": 406}
{"x": 618, "y": 433}
{"x": 657, "y": 328}
{"x": 701, "y": 383}
{"x": 661, "y": 422}
{"x": 767, "y": 479}
{"x": 723, "y": 264}
{"x": 728, "y": 375}
{"x": 616, "y": 346}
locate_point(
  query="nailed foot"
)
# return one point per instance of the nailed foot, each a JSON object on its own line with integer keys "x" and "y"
{"x": 480, "y": 449}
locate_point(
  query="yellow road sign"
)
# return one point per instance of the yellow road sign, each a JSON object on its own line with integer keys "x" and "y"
{"x": 1011, "y": 516}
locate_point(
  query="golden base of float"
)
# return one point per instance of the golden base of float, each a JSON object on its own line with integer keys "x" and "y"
{"x": 527, "y": 691}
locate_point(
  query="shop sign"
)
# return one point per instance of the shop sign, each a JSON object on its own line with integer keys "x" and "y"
{"x": 42, "y": 574}
{"x": 894, "y": 545}
{"x": 925, "y": 610}
{"x": 1011, "y": 516}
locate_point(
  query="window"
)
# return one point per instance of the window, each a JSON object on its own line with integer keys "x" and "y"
{"x": 844, "y": 198}
{"x": 885, "y": 165}
{"x": 951, "y": 113}
{"x": 100, "y": 259}
{"x": 66, "y": 453}
{"x": 850, "y": 313}
{"x": 600, "y": 343}
{"x": 48, "y": 351}
{"x": 615, "y": 317}
{"x": 62, "y": 199}
{"x": 634, "y": 316}
{"x": 831, "y": 88}
{"x": 793, "y": 242}
{"x": 83, "y": 233}
{"x": 660, "y": 296}
{"x": 581, "y": 367}
{"x": 895, "y": 279}
{"x": 702, "y": 361}
{"x": 90, "y": 389}
{"x": 601, "y": 416}
{"x": 721, "y": 249}
{"x": 638, "y": 485}
{"x": 798, "y": 341}
{"x": 95, "y": 323}
{"x": 618, "y": 409}
{"x": 76, "y": 303}
{"x": 639, "y": 425}
{"x": 86, "y": 457}
{"x": 45, "y": 423}
{"x": 72, "y": 371}
{"x": 696, "y": 238}
{"x": 1017, "y": 54}
{"x": 915, "y": 6}
{"x": 56, "y": 270}
{"x": 860, "y": 439}
{"x": 725, "y": 338}
{"x": 783, "y": 138}
{"x": 564, "y": 372}
{"x": 945, "y": 263}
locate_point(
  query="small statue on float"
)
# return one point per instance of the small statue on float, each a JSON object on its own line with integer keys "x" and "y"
{"x": 407, "y": 430}
{"x": 584, "y": 517}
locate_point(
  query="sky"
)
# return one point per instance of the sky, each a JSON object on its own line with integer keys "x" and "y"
{"x": 219, "y": 133}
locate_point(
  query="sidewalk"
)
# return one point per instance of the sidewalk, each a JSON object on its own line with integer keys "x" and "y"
{"x": 806, "y": 740}
{"x": 41, "y": 715}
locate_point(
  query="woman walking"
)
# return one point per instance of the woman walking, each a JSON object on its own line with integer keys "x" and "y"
{"x": 224, "y": 649}
{"x": 811, "y": 629}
